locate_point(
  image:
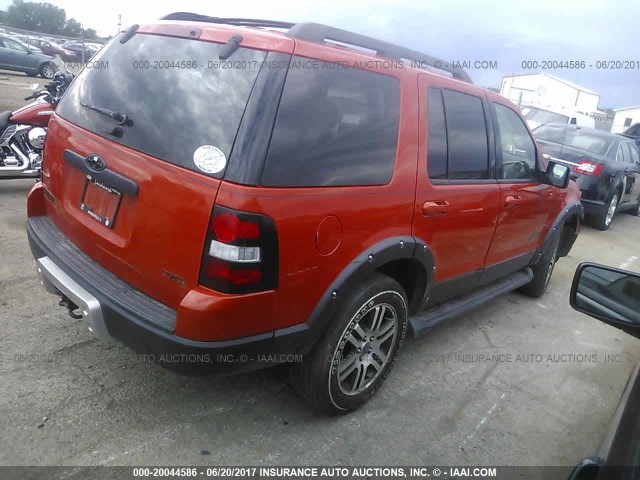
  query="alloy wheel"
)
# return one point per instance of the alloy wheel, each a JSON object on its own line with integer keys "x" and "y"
{"x": 365, "y": 351}
{"x": 47, "y": 71}
{"x": 611, "y": 210}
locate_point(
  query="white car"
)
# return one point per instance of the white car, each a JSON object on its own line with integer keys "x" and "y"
{"x": 536, "y": 116}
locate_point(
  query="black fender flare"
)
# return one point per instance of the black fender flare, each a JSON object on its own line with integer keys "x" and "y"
{"x": 573, "y": 210}
{"x": 302, "y": 337}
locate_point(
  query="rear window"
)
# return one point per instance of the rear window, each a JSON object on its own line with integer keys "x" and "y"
{"x": 176, "y": 103}
{"x": 335, "y": 126}
{"x": 574, "y": 138}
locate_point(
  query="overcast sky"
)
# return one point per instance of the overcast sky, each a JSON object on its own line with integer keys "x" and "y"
{"x": 508, "y": 32}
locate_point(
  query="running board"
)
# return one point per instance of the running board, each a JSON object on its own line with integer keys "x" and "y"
{"x": 422, "y": 322}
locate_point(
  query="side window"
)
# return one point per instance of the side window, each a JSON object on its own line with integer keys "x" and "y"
{"x": 621, "y": 155}
{"x": 15, "y": 45}
{"x": 635, "y": 156}
{"x": 436, "y": 136}
{"x": 628, "y": 152}
{"x": 515, "y": 144}
{"x": 466, "y": 136}
{"x": 334, "y": 127}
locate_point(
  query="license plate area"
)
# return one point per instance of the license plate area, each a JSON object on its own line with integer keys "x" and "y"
{"x": 100, "y": 201}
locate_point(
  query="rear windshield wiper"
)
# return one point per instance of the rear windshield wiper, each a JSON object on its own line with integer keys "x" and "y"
{"x": 121, "y": 118}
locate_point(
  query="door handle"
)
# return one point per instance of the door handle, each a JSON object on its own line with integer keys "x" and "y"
{"x": 512, "y": 201}
{"x": 434, "y": 209}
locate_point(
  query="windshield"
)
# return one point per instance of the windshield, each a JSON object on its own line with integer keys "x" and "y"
{"x": 596, "y": 144}
{"x": 177, "y": 104}
{"x": 60, "y": 64}
{"x": 545, "y": 116}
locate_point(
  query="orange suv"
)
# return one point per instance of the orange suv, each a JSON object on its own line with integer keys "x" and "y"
{"x": 229, "y": 194}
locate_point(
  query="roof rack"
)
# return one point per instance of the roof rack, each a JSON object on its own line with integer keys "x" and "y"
{"x": 241, "y": 22}
{"x": 315, "y": 32}
{"x": 318, "y": 33}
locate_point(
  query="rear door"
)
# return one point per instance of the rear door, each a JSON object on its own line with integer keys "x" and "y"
{"x": 457, "y": 196}
{"x": 630, "y": 193}
{"x": 635, "y": 167}
{"x": 524, "y": 199}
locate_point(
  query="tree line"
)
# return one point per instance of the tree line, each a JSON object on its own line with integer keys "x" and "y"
{"x": 43, "y": 18}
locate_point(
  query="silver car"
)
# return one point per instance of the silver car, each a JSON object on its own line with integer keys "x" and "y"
{"x": 15, "y": 55}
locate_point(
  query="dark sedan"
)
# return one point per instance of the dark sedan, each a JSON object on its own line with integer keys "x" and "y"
{"x": 605, "y": 166}
{"x": 15, "y": 55}
{"x": 80, "y": 52}
{"x": 633, "y": 132}
{"x": 49, "y": 48}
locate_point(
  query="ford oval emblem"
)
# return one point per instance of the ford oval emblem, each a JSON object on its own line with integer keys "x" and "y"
{"x": 95, "y": 163}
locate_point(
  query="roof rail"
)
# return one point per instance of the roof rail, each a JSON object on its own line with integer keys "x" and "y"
{"x": 242, "y": 22}
{"x": 315, "y": 32}
{"x": 318, "y": 33}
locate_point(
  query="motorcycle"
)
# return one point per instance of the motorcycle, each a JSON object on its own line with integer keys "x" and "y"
{"x": 23, "y": 131}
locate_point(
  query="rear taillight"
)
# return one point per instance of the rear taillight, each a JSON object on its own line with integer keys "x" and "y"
{"x": 589, "y": 167}
{"x": 240, "y": 253}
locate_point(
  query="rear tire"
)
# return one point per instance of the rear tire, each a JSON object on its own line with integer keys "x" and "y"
{"x": 47, "y": 70}
{"x": 543, "y": 270}
{"x": 603, "y": 220}
{"x": 352, "y": 359}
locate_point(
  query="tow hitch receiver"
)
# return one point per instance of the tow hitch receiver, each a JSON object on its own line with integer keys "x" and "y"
{"x": 70, "y": 306}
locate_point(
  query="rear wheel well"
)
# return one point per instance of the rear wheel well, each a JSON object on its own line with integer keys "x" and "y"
{"x": 411, "y": 276}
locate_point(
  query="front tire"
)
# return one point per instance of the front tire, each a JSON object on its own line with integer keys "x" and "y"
{"x": 543, "y": 270}
{"x": 635, "y": 211}
{"x": 47, "y": 70}
{"x": 354, "y": 356}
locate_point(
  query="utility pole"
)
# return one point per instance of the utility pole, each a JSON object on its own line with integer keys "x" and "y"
{"x": 119, "y": 23}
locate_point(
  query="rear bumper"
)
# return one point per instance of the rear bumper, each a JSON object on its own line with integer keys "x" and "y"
{"x": 114, "y": 309}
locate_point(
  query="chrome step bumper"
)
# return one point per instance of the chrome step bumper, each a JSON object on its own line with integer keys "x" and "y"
{"x": 57, "y": 282}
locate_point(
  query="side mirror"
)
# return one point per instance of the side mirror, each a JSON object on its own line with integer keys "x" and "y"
{"x": 556, "y": 174}
{"x": 608, "y": 294}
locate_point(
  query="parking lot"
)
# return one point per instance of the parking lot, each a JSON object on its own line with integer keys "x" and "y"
{"x": 67, "y": 399}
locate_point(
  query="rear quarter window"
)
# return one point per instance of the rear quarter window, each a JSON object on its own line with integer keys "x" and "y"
{"x": 336, "y": 126}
